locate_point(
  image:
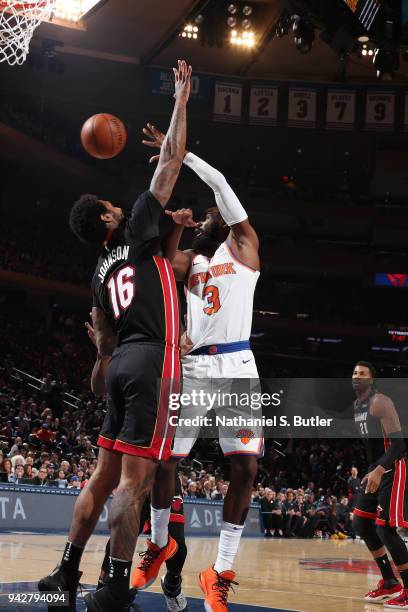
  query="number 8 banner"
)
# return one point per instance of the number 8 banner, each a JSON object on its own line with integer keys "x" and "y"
{"x": 302, "y": 107}
{"x": 263, "y": 105}
{"x": 380, "y": 110}
{"x": 227, "y": 101}
{"x": 341, "y": 107}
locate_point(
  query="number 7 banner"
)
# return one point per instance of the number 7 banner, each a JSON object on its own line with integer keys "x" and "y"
{"x": 380, "y": 110}
{"x": 263, "y": 104}
{"x": 341, "y": 108}
{"x": 227, "y": 101}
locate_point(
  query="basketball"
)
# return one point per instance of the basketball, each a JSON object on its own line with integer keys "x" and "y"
{"x": 103, "y": 136}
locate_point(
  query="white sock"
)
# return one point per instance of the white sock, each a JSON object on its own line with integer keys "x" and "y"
{"x": 230, "y": 537}
{"x": 160, "y": 526}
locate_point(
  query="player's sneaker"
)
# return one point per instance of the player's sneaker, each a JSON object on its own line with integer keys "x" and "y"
{"x": 104, "y": 601}
{"x": 383, "y": 591}
{"x": 341, "y": 535}
{"x": 175, "y": 599}
{"x": 57, "y": 582}
{"x": 400, "y": 602}
{"x": 215, "y": 587}
{"x": 152, "y": 558}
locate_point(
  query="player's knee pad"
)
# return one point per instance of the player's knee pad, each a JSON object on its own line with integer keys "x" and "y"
{"x": 393, "y": 543}
{"x": 365, "y": 528}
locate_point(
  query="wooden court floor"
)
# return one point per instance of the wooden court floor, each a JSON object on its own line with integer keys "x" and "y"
{"x": 304, "y": 575}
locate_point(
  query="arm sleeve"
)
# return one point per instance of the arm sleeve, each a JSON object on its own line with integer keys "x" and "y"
{"x": 145, "y": 218}
{"x": 395, "y": 451}
{"x": 230, "y": 207}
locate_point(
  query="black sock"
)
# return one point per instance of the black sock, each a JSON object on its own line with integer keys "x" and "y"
{"x": 173, "y": 579}
{"x": 119, "y": 577}
{"x": 404, "y": 577}
{"x": 106, "y": 559}
{"x": 385, "y": 568}
{"x": 71, "y": 558}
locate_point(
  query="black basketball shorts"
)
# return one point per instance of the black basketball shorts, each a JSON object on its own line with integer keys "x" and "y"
{"x": 141, "y": 376}
{"x": 389, "y": 506}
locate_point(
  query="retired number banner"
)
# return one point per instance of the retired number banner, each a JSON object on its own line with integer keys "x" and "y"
{"x": 302, "y": 107}
{"x": 341, "y": 109}
{"x": 227, "y": 101}
{"x": 380, "y": 110}
{"x": 263, "y": 104}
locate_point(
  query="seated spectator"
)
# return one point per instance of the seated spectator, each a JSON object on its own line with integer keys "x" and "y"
{"x": 28, "y": 471}
{"x": 41, "y": 478}
{"x": 272, "y": 513}
{"x": 221, "y": 494}
{"x": 192, "y": 491}
{"x": 19, "y": 474}
{"x": 62, "y": 480}
{"x": 7, "y": 468}
{"x": 74, "y": 483}
{"x": 17, "y": 460}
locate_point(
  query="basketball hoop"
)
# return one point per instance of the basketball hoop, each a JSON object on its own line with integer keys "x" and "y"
{"x": 18, "y": 20}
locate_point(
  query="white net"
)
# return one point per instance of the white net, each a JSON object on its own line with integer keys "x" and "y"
{"x": 18, "y": 20}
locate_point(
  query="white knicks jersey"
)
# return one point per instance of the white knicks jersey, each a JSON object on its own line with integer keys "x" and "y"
{"x": 220, "y": 298}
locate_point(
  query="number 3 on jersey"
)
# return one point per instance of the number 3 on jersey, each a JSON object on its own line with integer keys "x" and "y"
{"x": 213, "y": 300}
{"x": 121, "y": 290}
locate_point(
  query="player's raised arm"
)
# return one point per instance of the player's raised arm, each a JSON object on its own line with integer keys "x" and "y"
{"x": 243, "y": 235}
{"x": 174, "y": 144}
{"x": 180, "y": 260}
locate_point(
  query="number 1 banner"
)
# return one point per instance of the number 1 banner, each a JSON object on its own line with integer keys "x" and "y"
{"x": 341, "y": 109}
{"x": 380, "y": 110}
{"x": 227, "y": 101}
{"x": 302, "y": 107}
{"x": 263, "y": 104}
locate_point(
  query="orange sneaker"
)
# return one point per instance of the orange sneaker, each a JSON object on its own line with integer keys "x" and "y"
{"x": 215, "y": 587}
{"x": 152, "y": 559}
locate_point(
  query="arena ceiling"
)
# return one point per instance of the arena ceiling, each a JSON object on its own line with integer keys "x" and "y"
{"x": 140, "y": 32}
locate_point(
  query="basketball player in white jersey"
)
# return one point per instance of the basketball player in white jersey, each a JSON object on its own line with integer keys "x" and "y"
{"x": 220, "y": 273}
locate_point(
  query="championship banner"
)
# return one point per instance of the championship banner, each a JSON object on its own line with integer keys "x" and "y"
{"x": 406, "y": 113}
{"x": 263, "y": 104}
{"x": 227, "y": 101}
{"x": 341, "y": 109}
{"x": 302, "y": 107}
{"x": 161, "y": 83}
{"x": 380, "y": 110}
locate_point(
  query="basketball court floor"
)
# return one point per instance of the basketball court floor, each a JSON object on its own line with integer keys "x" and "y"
{"x": 301, "y": 575}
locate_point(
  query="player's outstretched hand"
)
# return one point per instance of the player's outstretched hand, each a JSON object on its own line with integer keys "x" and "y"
{"x": 156, "y": 139}
{"x": 182, "y": 80}
{"x": 183, "y": 216}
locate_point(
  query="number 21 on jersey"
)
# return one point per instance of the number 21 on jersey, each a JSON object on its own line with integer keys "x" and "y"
{"x": 121, "y": 290}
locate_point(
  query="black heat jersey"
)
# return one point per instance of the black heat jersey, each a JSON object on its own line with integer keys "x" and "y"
{"x": 370, "y": 431}
{"x": 132, "y": 284}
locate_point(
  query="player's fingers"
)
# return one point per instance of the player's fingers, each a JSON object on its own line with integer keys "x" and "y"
{"x": 149, "y": 143}
{"x": 153, "y": 159}
{"x": 190, "y": 69}
{"x": 176, "y": 75}
{"x": 169, "y": 212}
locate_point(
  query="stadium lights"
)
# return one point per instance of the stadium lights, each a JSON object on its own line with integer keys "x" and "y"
{"x": 190, "y": 31}
{"x": 244, "y": 39}
{"x": 304, "y": 34}
{"x": 73, "y": 10}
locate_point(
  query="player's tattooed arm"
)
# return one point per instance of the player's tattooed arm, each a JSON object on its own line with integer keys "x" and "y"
{"x": 105, "y": 338}
{"x": 383, "y": 408}
{"x": 99, "y": 371}
{"x": 180, "y": 260}
{"x": 174, "y": 144}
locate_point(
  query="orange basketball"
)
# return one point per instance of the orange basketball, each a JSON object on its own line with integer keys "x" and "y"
{"x": 103, "y": 136}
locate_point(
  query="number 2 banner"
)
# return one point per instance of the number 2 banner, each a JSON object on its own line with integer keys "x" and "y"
{"x": 227, "y": 101}
{"x": 302, "y": 107}
{"x": 263, "y": 104}
{"x": 341, "y": 109}
{"x": 380, "y": 107}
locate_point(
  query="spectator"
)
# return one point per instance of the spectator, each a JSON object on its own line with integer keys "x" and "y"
{"x": 41, "y": 478}
{"x": 19, "y": 475}
{"x": 354, "y": 486}
{"x": 192, "y": 491}
{"x": 272, "y": 513}
{"x": 62, "y": 480}
{"x": 8, "y": 470}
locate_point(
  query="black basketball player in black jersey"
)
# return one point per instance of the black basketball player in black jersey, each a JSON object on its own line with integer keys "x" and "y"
{"x": 135, "y": 306}
{"x": 382, "y": 505}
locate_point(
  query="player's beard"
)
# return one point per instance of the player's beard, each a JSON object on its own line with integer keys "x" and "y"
{"x": 361, "y": 385}
{"x": 205, "y": 243}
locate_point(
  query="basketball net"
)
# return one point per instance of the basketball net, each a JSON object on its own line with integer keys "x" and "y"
{"x": 18, "y": 20}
